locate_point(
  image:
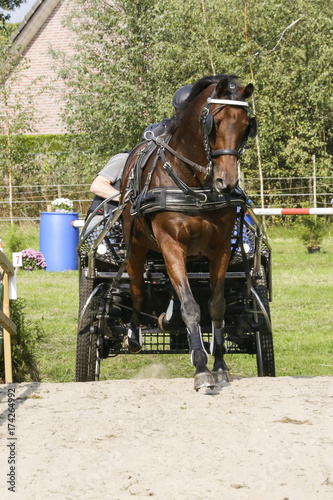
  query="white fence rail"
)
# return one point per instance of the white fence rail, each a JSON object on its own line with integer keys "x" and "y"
{"x": 279, "y": 193}
{"x": 293, "y": 211}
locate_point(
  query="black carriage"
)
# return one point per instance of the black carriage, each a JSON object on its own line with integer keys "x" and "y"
{"x": 105, "y": 305}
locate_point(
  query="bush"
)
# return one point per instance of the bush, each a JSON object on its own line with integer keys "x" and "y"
{"x": 312, "y": 230}
{"x": 15, "y": 238}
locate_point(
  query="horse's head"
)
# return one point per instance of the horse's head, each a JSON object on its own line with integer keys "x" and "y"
{"x": 226, "y": 127}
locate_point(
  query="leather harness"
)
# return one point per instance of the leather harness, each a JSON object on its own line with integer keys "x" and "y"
{"x": 182, "y": 198}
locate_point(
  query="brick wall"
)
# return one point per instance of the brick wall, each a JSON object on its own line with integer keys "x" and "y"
{"x": 46, "y": 102}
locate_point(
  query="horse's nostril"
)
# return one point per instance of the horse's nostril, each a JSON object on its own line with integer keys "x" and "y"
{"x": 222, "y": 187}
{"x": 219, "y": 184}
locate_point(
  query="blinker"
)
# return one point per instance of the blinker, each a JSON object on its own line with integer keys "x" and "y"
{"x": 253, "y": 127}
{"x": 209, "y": 124}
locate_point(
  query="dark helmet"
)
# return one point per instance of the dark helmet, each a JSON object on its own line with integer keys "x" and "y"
{"x": 180, "y": 95}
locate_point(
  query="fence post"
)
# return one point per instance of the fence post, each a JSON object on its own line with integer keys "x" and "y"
{"x": 314, "y": 182}
{"x": 7, "y": 343}
{"x": 9, "y": 328}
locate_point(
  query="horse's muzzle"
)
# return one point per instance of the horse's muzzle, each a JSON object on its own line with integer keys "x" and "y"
{"x": 226, "y": 175}
{"x": 222, "y": 186}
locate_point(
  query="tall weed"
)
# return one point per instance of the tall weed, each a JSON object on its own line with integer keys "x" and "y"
{"x": 17, "y": 237}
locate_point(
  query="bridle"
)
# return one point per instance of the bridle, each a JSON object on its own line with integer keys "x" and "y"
{"x": 207, "y": 120}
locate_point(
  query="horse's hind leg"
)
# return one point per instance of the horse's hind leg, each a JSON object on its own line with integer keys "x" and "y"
{"x": 217, "y": 306}
{"x": 218, "y": 349}
{"x": 135, "y": 269}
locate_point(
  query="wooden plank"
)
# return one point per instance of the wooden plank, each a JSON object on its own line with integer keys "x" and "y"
{"x": 7, "y": 343}
{"x": 7, "y": 350}
{"x": 7, "y": 323}
{"x": 6, "y": 265}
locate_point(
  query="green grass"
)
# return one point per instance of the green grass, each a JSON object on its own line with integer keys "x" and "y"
{"x": 302, "y": 317}
{"x": 302, "y": 312}
{"x": 52, "y": 299}
{"x": 19, "y": 237}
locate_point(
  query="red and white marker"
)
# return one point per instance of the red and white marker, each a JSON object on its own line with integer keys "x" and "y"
{"x": 293, "y": 211}
{"x": 263, "y": 211}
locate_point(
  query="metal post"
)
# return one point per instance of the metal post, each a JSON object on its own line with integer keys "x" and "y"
{"x": 314, "y": 182}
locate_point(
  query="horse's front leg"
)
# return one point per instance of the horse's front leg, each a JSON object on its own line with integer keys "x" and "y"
{"x": 175, "y": 261}
{"x": 135, "y": 269}
{"x": 217, "y": 306}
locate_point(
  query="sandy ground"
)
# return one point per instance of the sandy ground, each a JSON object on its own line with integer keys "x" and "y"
{"x": 252, "y": 439}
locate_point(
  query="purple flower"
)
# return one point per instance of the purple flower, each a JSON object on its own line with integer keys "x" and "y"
{"x": 32, "y": 259}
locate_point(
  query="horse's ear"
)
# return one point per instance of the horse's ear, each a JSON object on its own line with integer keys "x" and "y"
{"x": 222, "y": 87}
{"x": 248, "y": 91}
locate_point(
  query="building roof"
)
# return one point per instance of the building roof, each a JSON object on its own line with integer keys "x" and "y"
{"x": 33, "y": 21}
{"x": 39, "y": 82}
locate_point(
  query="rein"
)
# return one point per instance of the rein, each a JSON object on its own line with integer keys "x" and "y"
{"x": 163, "y": 145}
{"x": 207, "y": 119}
{"x": 184, "y": 187}
{"x": 149, "y": 136}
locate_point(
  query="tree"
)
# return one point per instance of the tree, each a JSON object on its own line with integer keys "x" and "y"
{"x": 9, "y": 5}
{"x": 294, "y": 85}
{"x": 132, "y": 56}
{"x": 17, "y": 117}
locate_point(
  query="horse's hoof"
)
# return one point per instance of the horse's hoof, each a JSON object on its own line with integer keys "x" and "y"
{"x": 133, "y": 340}
{"x": 163, "y": 325}
{"x": 132, "y": 346}
{"x": 222, "y": 376}
{"x": 204, "y": 380}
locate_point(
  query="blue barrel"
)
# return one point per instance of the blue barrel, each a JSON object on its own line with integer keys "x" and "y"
{"x": 58, "y": 240}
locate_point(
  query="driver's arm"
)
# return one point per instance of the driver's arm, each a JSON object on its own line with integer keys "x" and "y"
{"x": 102, "y": 187}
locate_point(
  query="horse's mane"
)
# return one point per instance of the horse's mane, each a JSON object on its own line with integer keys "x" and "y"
{"x": 198, "y": 87}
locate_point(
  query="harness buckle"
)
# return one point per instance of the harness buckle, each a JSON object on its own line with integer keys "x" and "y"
{"x": 209, "y": 169}
{"x": 149, "y": 136}
{"x": 167, "y": 166}
{"x": 204, "y": 200}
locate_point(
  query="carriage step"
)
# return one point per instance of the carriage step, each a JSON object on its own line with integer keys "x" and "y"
{"x": 163, "y": 276}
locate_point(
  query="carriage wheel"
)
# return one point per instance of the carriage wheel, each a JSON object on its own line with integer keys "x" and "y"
{"x": 87, "y": 360}
{"x": 264, "y": 336}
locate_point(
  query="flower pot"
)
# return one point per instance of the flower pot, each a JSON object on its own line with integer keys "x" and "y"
{"x": 313, "y": 249}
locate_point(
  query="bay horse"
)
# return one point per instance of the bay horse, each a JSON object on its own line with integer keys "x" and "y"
{"x": 196, "y": 164}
